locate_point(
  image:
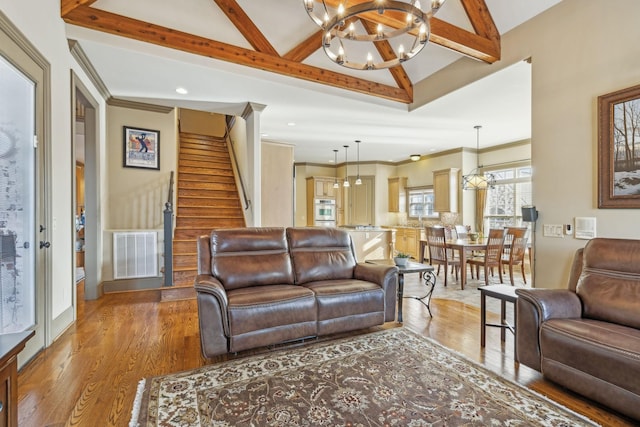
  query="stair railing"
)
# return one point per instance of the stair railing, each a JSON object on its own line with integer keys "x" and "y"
{"x": 168, "y": 236}
{"x": 227, "y": 137}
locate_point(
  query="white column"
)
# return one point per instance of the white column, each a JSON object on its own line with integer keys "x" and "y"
{"x": 251, "y": 115}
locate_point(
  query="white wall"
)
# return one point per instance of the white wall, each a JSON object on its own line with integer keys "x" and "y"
{"x": 36, "y": 20}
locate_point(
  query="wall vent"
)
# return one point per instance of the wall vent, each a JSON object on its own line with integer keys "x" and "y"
{"x": 135, "y": 254}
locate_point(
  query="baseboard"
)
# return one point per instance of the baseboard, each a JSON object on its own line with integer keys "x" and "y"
{"x": 61, "y": 323}
{"x": 176, "y": 293}
{"x": 132, "y": 284}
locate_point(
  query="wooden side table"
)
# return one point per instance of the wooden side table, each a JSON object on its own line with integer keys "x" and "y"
{"x": 504, "y": 293}
{"x": 10, "y": 346}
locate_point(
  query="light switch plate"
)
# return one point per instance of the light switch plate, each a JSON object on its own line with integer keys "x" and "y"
{"x": 553, "y": 230}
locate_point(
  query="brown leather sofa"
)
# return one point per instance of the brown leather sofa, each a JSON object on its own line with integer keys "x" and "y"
{"x": 262, "y": 286}
{"x": 587, "y": 337}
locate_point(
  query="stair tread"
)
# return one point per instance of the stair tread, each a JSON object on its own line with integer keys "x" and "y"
{"x": 205, "y": 182}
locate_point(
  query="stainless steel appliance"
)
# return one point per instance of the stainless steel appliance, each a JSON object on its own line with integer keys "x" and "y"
{"x": 324, "y": 212}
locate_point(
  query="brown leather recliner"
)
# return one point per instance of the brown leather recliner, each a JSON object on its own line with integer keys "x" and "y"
{"x": 587, "y": 337}
{"x": 263, "y": 286}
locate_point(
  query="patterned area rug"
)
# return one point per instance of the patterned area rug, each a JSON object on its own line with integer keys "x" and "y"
{"x": 393, "y": 377}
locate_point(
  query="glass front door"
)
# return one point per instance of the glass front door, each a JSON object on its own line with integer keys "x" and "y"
{"x": 17, "y": 200}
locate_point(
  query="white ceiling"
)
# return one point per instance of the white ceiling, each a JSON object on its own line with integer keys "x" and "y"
{"x": 325, "y": 118}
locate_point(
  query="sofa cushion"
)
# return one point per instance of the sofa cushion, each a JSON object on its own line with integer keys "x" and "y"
{"x": 263, "y": 315}
{"x": 320, "y": 254}
{"x": 347, "y": 304}
{"x": 609, "y": 285}
{"x": 607, "y": 351}
{"x": 243, "y": 257}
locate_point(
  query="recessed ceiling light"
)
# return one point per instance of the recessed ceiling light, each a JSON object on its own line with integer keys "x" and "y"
{"x": 182, "y": 91}
{"x": 291, "y": 124}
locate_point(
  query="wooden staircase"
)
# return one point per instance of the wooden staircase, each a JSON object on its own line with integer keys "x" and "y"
{"x": 207, "y": 199}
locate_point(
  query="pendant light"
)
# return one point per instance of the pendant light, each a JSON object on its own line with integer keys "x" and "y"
{"x": 346, "y": 168}
{"x": 335, "y": 167}
{"x": 358, "y": 180}
{"x": 476, "y": 179}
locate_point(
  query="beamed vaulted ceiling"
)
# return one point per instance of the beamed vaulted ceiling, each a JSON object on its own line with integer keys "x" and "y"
{"x": 231, "y": 52}
{"x": 482, "y": 44}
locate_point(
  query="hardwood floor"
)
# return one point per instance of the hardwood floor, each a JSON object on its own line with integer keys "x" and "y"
{"x": 88, "y": 377}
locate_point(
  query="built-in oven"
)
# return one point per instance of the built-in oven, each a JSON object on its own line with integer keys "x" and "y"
{"x": 324, "y": 212}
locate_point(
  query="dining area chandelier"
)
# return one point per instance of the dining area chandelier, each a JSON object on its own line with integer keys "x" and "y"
{"x": 372, "y": 35}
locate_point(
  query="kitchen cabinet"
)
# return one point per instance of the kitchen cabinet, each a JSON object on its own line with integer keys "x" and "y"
{"x": 360, "y": 201}
{"x": 321, "y": 187}
{"x": 397, "y": 196}
{"x": 446, "y": 189}
{"x": 407, "y": 240}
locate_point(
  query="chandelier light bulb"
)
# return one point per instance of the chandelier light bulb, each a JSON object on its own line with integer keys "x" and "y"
{"x": 352, "y": 30}
{"x": 380, "y": 31}
{"x": 422, "y": 37}
{"x": 340, "y": 59}
{"x": 369, "y": 61}
{"x": 402, "y": 54}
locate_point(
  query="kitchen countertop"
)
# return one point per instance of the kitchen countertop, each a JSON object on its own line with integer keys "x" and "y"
{"x": 363, "y": 228}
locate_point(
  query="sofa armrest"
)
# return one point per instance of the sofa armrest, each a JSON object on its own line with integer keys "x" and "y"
{"x": 387, "y": 277}
{"x": 552, "y": 303}
{"x": 535, "y": 306}
{"x": 212, "y": 315}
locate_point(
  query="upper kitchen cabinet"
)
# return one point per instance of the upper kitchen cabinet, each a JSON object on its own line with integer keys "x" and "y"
{"x": 397, "y": 186}
{"x": 321, "y": 187}
{"x": 446, "y": 187}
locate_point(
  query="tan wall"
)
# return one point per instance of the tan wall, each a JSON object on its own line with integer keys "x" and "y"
{"x": 573, "y": 62}
{"x": 136, "y": 197}
{"x": 572, "y": 66}
{"x": 202, "y": 122}
{"x": 277, "y": 185}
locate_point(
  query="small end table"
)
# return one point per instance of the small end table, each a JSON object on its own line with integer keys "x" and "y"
{"x": 504, "y": 293}
{"x": 426, "y": 273}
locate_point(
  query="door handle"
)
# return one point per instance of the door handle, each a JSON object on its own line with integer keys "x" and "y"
{"x": 44, "y": 244}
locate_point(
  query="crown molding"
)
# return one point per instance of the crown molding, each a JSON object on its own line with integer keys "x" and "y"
{"x": 83, "y": 60}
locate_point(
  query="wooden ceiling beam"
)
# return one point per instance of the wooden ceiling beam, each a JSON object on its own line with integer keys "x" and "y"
{"x": 245, "y": 25}
{"x": 112, "y": 23}
{"x": 482, "y": 47}
{"x": 481, "y": 19}
{"x": 387, "y": 53}
{"x": 67, "y": 6}
{"x": 305, "y": 49}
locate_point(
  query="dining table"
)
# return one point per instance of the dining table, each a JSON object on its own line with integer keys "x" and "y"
{"x": 463, "y": 246}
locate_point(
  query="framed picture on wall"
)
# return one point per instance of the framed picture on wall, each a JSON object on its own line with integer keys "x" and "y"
{"x": 141, "y": 148}
{"x": 619, "y": 149}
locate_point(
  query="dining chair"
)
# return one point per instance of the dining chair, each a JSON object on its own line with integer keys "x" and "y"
{"x": 514, "y": 255}
{"x": 461, "y": 231}
{"x": 492, "y": 256}
{"x": 439, "y": 254}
